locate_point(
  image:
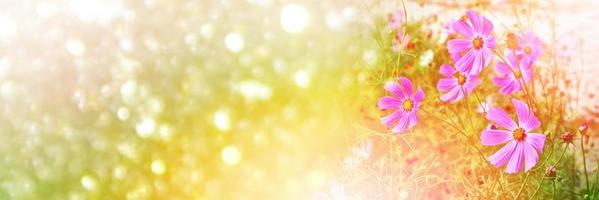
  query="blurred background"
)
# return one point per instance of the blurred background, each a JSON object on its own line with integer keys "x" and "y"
{"x": 208, "y": 99}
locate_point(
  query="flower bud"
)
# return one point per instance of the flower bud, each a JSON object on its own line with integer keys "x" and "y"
{"x": 551, "y": 172}
{"x": 492, "y": 126}
{"x": 512, "y": 41}
{"x": 583, "y": 128}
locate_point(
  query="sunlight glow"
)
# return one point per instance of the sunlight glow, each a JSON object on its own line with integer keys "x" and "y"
{"x": 294, "y": 18}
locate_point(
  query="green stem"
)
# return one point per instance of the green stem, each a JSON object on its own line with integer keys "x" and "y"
{"x": 468, "y": 108}
{"x": 480, "y": 103}
{"x": 462, "y": 132}
{"x": 544, "y": 175}
{"x": 523, "y": 184}
{"x": 553, "y": 189}
{"x": 584, "y": 161}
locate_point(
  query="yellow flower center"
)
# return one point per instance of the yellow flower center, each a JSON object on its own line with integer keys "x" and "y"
{"x": 517, "y": 74}
{"x": 461, "y": 79}
{"x": 519, "y": 134}
{"x": 407, "y": 105}
{"x": 477, "y": 43}
{"x": 527, "y": 50}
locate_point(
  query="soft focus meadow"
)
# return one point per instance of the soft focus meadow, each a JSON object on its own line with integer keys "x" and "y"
{"x": 278, "y": 99}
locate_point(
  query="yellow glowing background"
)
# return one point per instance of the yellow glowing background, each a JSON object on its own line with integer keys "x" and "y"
{"x": 211, "y": 99}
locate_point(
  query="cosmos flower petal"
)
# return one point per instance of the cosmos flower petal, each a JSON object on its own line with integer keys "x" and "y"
{"x": 492, "y": 137}
{"x": 514, "y": 87}
{"x": 396, "y": 89}
{"x": 488, "y": 54}
{"x": 527, "y": 74}
{"x": 458, "y": 45}
{"x": 419, "y": 96}
{"x": 413, "y": 119}
{"x": 516, "y": 160}
{"x": 475, "y": 20}
{"x": 446, "y": 84}
{"x": 447, "y": 70}
{"x": 455, "y": 57}
{"x": 407, "y": 86}
{"x": 388, "y": 102}
{"x": 513, "y": 61}
{"x": 402, "y": 125}
{"x": 501, "y": 118}
{"x": 462, "y": 28}
{"x": 509, "y": 88}
{"x": 471, "y": 83}
{"x": 478, "y": 63}
{"x": 502, "y": 68}
{"x": 508, "y": 84}
{"x": 501, "y": 81}
{"x": 392, "y": 118}
{"x": 460, "y": 96}
{"x": 526, "y": 69}
{"x": 452, "y": 95}
{"x": 487, "y": 26}
{"x": 536, "y": 140}
{"x": 503, "y": 155}
{"x": 530, "y": 156}
{"x": 464, "y": 64}
{"x": 526, "y": 118}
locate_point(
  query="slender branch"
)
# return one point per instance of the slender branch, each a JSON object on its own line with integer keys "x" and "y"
{"x": 523, "y": 184}
{"x": 584, "y": 161}
{"x": 480, "y": 103}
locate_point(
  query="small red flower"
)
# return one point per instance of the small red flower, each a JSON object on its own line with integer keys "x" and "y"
{"x": 567, "y": 137}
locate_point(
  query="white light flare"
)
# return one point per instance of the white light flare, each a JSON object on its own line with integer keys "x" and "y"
{"x": 294, "y": 18}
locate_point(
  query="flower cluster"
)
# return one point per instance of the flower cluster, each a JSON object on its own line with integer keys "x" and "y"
{"x": 472, "y": 49}
{"x": 401, "y": 40}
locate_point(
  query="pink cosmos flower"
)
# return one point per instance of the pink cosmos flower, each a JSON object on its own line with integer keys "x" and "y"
{"x": 522, "y": 146}
{"x": 448, "y": 27}
{"x": 359, "y": 154}
{"x": 455, "y": 84}
{"x": 405, "y": 103}
{"x": 476, "y": 45}
{"x": 529, "y": 45}
{"x": 400, "y": 41}
{"x": 511, "y": 75}
{"x": 566, "y": 48}
{"x": 396, "y": 19}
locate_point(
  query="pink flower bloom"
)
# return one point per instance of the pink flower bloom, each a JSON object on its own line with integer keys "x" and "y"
{"x": 566, "y": 48}
{"x": 522, "y": 146}
{"x": 455, "y": 84}
{"x": 400, "y": 41}
{"x": 475, "y": 46}
{"x": 359, "y": 155}
{"x": 405, "y": 103}
{"x": 448, "y": 27}
{"x": 511, "y": 75}
{"x": 529, "y": 45}
{"x": 396, "y": 19}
